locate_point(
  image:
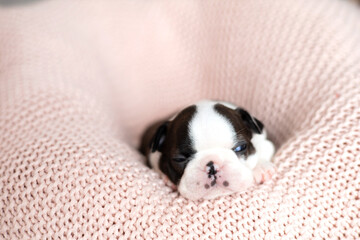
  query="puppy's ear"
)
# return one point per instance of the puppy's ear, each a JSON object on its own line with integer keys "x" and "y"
{"x": 159, "y": 137}
{"x": 254, "y": 124}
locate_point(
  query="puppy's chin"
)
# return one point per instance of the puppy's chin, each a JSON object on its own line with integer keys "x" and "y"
{"x": 196, "y": 183}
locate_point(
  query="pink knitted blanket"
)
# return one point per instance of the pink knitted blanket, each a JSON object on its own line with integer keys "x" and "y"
{"x": 80, "y": 80}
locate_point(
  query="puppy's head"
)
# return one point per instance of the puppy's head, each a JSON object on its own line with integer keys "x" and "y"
{"x": 207, "y": 149}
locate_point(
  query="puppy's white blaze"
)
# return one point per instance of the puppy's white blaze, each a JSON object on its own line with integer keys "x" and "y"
{"x": 154, "y": 159}
{"x": 209, "y": 129}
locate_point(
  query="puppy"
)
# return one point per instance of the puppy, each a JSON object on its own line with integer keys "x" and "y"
{"x": 210, "y": 149}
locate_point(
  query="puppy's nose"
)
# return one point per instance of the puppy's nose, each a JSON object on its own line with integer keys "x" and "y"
{"x": 211, "y": 168}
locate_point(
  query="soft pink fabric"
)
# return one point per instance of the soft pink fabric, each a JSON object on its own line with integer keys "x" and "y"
{"x": 80, "y": 80}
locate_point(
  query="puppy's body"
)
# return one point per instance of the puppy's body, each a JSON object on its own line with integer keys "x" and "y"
{"x": 210, "y": 149}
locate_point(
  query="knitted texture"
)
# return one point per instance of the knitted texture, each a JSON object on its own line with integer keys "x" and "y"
{"x": 80, "y": 81}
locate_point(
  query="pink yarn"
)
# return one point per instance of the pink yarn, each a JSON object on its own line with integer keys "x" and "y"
{"x": 80, "y": 81}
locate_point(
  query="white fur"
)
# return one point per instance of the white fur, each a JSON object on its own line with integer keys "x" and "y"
{"x": 209, "y": 129}
{"x": 264, "y": 150}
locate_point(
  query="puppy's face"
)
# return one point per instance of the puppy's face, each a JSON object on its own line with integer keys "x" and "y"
{"x": 208, "y": 149}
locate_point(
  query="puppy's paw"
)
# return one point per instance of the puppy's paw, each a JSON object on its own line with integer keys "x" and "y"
{"x": 264, "y": 172}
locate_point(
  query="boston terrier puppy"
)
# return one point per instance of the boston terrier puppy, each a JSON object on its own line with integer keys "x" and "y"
{"x": 210, "y": 149}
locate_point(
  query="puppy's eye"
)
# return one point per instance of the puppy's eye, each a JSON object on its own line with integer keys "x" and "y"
{"x": 240, "y": 148}
{"x": 179, "y": 159}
